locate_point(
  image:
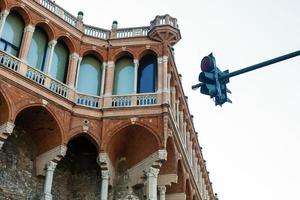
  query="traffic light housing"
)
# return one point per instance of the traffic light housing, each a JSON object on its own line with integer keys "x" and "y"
{"x": 211, "y": 81}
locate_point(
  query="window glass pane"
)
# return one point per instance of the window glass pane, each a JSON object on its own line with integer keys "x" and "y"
{"x": 89, "y": 79}
{"x": 2, "y": 45}
{"x": 59, "y": 62}
{"x": 11, "y": 50}
{"x": 124, "y": 76}
{"x": 13, "y": 29}
{"x": 37, "y": 51}
{"x": 147, "y": 74}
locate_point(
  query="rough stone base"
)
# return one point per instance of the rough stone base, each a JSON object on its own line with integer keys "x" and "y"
{"x": 17, "y": 172}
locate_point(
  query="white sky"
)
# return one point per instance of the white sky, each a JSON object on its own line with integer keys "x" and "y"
{"x": 251, "y": 146}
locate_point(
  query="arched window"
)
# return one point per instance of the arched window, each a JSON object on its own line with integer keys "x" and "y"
{"x": 38, "y": 49}
{"x": 12, "y": 34}
{"x": 90, "y": 74}
{"x": 147, "y": 74}
{"x": 60, "y": 61}
{"x": 124, "y": 76}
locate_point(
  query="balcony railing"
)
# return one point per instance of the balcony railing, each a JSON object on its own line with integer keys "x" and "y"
{"x": 134, "y": 100}
{"x": 96, "y": 32}
{"x": 36, "y": 75}
{"x": 59, "y": 88}
{"x": 54, "y": 8}
{"x": 9, "y": 61}
{"x": 105, "y": 34}
{"x": 132, "y": 32}
{"x": 88, "y": 100}
{"x": 164, "y": 20}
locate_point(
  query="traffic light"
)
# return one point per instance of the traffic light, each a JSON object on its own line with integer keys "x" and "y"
{"x": 211, "y": 82}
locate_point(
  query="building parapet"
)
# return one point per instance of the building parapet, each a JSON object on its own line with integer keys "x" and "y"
{"x": 104, "y": 33}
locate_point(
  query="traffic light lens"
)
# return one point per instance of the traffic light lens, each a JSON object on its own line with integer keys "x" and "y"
{"x": 206, "y": 64}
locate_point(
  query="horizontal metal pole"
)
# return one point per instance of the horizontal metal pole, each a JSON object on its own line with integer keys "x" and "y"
{"x": 260, "y": 65}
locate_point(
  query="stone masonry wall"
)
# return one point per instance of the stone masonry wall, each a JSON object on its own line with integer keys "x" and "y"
{"x": 17, "y": 172}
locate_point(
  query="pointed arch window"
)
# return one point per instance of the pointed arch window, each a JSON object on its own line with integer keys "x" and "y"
{"x": 12, "y": 34}
{"x": 147, "y": 74}
{"x": 124, "y": 76}
{"x": 60, "y": 61}
{"x": 90, "y": 76}
{"x": 38, "y": 49}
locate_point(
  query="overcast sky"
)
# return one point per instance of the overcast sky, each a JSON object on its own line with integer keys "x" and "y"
{"x": 251, "y": 146}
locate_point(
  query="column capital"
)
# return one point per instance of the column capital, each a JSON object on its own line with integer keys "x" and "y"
{"x": 159, "y": 60}
{"x": 162, "y": 154}
{"x": 152, "y": 172}
{"x": 165, "y": 59}
{"x": 104, "y": 65}
{"x": 74, "y": 56}
{"x": 105, "y": 174}
{"x": 162, "y": 189}
{"x": 52, "y": 43}
{"x": 110, "y": 64}
{"x": 4, "y": 13}
{"x": 29, "y": 28}
{"x": 136, "y": 62}
{"x": 50, "y": 166}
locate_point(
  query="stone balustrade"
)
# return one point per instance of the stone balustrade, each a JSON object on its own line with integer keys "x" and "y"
{"x": 59, "y": 88}
{"x": 9, "y": 61}
{"x": 88, "y": 100}
{"x": 106, "y": 34}
{"x": 54, "y": 8}
{"x": 96, "y": 32}
{"x": 132, "y": 32}
{"x": 162, "y": 20}
{"x": 134, "y": 100}
{"x": 36, "y": 75}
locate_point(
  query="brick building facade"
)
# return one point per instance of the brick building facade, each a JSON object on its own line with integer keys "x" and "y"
{"x": 89, "y": 113}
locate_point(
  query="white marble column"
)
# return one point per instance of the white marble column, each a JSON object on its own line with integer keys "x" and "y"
{"x": 136, "y": 66}
{"x": 104, "y": 65}
{"x": 151, "y": 185}
{"x": 104, "y": 184}
{"x": 3, "y": 16}
{"x": 162, "y": 192}
{"x": 50, "y": 167}
{"x": 78, "y": 71}
{"x": 51, "y": 46}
